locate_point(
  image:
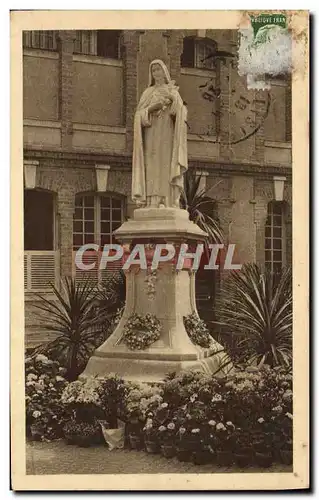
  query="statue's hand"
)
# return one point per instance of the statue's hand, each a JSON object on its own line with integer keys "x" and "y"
{"x": 155, "y": 107}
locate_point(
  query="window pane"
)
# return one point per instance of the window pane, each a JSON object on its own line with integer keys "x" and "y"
{"x": 105, "y": 201}
{"x": 277, "y": 232}
{"x": 105, "y": 214}
{"x": 267, "y": 255}
{"x": 78, "y": 214}
{"x": 89, "y": 214}
{"x": 277, "y": 266}
{"x": 77, "y": 240}
{"x": 89, "y": 238}
{"x": 268, "y": 266}
{"x": 267, "y": 243}
{"x": 77, "y": 226}
{"x": 277, "y": 244}
{"x": 116, "y": 203}
{"x": 89, "y": 201}
{"x": 277, "y": 220}
{"x": 89, "y": 227}
{"x": 277, "y": 208}
{"x": 105, "y": 239}
{"x": 268, "y": 232}
{"x": 268, "y": 221}
{"x": 105, "y": 227}
{"x": 117, "y": 214}
{"x": 277, "y": 256}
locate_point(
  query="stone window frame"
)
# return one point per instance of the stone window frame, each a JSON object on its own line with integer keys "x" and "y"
{"x": 275, "y": 236}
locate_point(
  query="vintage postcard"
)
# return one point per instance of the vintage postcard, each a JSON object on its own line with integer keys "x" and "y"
{"x": 159, "y": 273}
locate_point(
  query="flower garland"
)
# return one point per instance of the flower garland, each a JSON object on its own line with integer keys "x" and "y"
{"x": 197, "y": 330}
{"x": 141, "y": 331}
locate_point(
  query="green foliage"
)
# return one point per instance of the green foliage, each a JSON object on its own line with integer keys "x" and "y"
{"x": 257, "y": 309}
{"x": 74, "y": 317}
{"x": 201, "y": 207}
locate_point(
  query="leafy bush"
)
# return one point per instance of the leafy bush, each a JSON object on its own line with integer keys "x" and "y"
{"x": 257, "y": 309}
{"x": 45, "y": 412}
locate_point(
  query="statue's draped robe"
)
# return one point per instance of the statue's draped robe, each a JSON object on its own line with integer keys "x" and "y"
{"x": 160, "y": 148}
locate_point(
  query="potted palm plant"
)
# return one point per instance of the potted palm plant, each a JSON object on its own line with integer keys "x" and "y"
{"x": 256, "y": 308}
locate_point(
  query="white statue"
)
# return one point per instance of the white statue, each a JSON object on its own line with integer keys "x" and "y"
{"x": 160, "y": 142}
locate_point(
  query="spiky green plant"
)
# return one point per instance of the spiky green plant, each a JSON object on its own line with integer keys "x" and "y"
{"x": 256, "y": 308}
{"x": 74, "y": 318}
{"x": 201, "y": 207}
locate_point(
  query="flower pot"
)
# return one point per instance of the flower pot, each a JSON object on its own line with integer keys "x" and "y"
{"x": 152, "y": 446}
{"x": 36, "y": 433}
{"x": 202, "y": 457}
{"x": 263, "y": 459}
{"x": 69, "y": 440}
{"x": 224, "y": 458}
{"x": 286, "y": 457}
{"x": 168, "y": 450}
{"x": 183, "y": 455}
{"x": 136, "y": 442}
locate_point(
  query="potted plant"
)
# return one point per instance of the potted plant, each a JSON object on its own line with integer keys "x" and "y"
{"x": 243, "y": 452}
{"x": 223, "y": 443}
{"x": 69, "y": 431}
{"x": 85, "y": 434}
{"x": 262, "y": 449}
{"x": 37, "y": 431}
{"x": 203, "y": 454}
{"x": 150, "y": 432}
{"x": 167, "y": 435}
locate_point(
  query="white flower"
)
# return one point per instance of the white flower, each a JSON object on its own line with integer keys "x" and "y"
{"x": 261, "y": 420}
{"x": 171, "y": 426}
{"x": 31, "y": 376}
{"x": 195, "y": 431}
{"x": 216, "y": 397}
{"x": 193, "y": 398}
{"x": 220, "y": 427}
{"x": 162, "y": 428}
{"x": 36, "y": 414}
{"x": 41, "y": 358}
{"x": 212, "y": 423}
{"x": 58, "y": 378}
{"x": 277, "y": 409}
{"x": 30, "y": 383}
{"x": 164, "y": 405}
{"x": 230, "y": 424}
{"x": 289, "y": 415}
{"x": 182, "y": 430}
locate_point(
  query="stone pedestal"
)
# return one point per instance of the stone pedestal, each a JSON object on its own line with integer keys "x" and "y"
{"x": 167, "y": 293}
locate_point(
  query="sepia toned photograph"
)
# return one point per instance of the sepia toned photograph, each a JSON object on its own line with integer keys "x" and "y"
{"x": 157, "y": 242}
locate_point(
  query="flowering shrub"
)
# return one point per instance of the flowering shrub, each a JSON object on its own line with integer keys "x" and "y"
{"x": 197, "y": 330}
{"x": 45, "y": 412}
{"x": 141, "y": 331}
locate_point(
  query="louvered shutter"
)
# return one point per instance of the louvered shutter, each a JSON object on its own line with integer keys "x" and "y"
{"x": 41, "y": 271}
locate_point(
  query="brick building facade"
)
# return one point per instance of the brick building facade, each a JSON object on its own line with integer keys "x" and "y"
{"x": 81, "y": 89}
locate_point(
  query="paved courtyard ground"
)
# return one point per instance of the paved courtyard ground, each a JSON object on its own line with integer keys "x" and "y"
{"x": 59, "y": 458}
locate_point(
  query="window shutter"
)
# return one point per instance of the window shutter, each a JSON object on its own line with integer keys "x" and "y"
{"x": 42, "y": 268}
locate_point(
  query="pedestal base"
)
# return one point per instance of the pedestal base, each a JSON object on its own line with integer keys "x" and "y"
{"x": 152, "y": 369}
{"x": 170, "y": 296}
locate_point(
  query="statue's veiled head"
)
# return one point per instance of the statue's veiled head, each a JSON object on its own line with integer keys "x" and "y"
{"x": 158, "y": 73}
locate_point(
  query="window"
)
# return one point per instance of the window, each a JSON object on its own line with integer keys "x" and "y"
{"x": 197, "y": 52}
{"x": 45, "y": 40}
{"x": 41, "y": 259}
{"x": 38, "y": 220}
{"x": 275, "y": 238}
{"x": 102, "y": 43}
{"x": 96, "y": 217}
